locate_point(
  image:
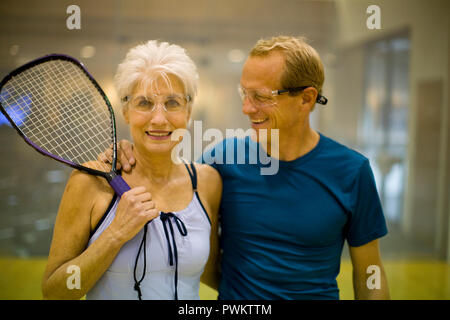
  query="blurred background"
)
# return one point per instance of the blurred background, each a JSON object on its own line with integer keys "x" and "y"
{"x": 388, "y": 98}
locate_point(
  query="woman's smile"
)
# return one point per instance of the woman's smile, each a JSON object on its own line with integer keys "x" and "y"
{"x": 158, "y": 134}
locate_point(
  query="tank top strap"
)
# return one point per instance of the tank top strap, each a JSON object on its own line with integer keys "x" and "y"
{"x": 113, "y": 201}
{"x": 192, "y": 175}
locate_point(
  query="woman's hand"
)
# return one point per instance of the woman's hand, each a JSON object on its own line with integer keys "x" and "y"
{"x": 125, "y": 158}
{"x": 135, "y": 209}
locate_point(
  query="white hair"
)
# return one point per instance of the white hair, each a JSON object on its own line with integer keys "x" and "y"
{"x": 144, "y": 63}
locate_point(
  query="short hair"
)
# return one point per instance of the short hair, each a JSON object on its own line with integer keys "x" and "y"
{"x": 146, "y": 62}
{"x": 303, "y": 66}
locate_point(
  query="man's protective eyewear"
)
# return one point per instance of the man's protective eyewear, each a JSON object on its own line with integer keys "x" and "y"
{"x": 267, "y": 97}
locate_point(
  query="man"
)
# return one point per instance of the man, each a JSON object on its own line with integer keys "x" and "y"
{"x": 282, "y": 235}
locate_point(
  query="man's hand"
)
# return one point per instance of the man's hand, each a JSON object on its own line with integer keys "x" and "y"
{"x": 125, "y": 158}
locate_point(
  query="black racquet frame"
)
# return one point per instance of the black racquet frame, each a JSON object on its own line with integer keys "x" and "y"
{"x": 114, "y": 179}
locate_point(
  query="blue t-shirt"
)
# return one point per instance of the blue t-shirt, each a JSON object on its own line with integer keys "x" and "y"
{"x": 282, "y": 235}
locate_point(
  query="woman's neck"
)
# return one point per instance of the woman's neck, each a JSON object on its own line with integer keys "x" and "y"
{"x": 156, "y": 168}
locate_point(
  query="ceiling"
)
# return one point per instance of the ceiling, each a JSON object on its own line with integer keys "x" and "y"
{"x": 207, "y": 29}
{"x": 202, "y": 26}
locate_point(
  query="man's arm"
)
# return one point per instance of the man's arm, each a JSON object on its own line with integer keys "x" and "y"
{"x": 210, "y": 190}
{"x": 362, "y": 257}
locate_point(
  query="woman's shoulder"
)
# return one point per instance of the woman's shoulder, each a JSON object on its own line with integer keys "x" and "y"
{"x": 207, "y": 175}
{"x": 86, "y": 194}
{"x": 86, "y": 181}
{"x": 82, "y": 185}
{"x": 209, "y": 186}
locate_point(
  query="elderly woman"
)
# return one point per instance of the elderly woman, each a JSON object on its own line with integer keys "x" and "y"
{"x": 154, "y": 241}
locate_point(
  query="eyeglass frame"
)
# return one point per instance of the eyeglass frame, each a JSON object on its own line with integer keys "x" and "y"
{"x": 320, "y": 98}
{"x": 188, "y": 98}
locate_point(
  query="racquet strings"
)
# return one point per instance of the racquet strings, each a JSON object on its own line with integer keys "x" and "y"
{"x": 60, "y": 110}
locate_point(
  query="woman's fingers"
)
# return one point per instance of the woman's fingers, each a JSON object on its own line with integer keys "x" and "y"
{"x": 135, "y": 209}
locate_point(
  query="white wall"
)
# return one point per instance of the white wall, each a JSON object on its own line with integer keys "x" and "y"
{"x": 427, "y": 22}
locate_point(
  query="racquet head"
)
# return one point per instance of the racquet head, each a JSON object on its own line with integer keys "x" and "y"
{"x": 60, "y": 110}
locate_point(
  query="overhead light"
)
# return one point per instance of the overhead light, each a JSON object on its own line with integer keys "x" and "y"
{"x": 87, "y": 52}
{"x": 236, "y": 55}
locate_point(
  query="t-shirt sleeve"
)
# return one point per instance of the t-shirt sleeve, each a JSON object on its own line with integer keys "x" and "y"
{"x": 367, "y": 221}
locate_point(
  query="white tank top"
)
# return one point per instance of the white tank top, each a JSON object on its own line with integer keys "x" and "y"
{"x": 173, "y": 249}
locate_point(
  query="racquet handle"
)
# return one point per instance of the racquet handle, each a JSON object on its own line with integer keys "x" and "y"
{"x": 119, "y": 185}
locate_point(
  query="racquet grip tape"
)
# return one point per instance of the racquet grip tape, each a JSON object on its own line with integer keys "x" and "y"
{"x": 119, "y": 185}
